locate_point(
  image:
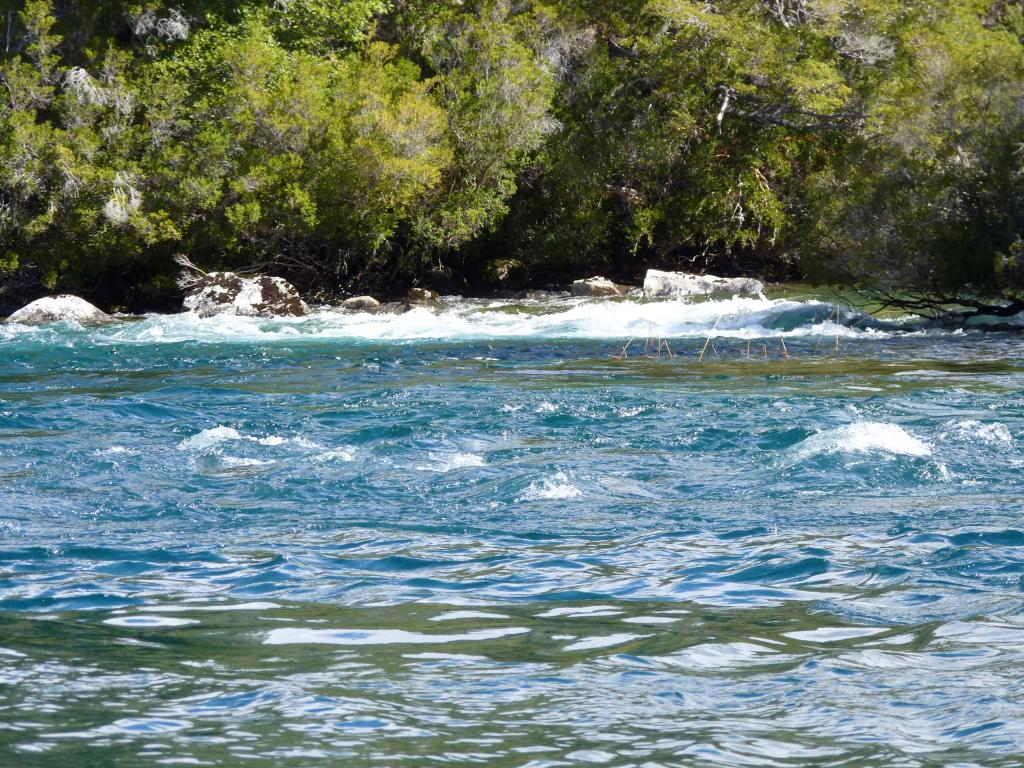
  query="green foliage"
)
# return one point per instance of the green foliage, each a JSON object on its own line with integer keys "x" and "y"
{"x": 287, "y": 148}
{"x": 493, "y": 70}
{"x": 930, "y": 194}
{"x": 867, "y": 140}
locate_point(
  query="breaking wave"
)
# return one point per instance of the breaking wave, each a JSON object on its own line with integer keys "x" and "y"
{"x": 556, "y": 487}
{"x": 470, "y": 319}
{"x": 865, "y": 437}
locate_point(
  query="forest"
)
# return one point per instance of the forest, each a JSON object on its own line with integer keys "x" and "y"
{"x": 469, "y": 145}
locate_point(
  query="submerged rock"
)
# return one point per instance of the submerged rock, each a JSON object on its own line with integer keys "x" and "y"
{"x": 661, "y": 284}
{"x": 227, "y": 293}
{"x": 598, "y": 286}
{"x": 56, "y": 309}
{"x": 361, "y": 304}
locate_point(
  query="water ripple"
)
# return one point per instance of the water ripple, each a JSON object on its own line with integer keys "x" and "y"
{"x": 317, "y": 542}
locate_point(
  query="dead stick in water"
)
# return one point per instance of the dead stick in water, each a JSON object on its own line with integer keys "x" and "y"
{"x": 785, "y": 352}
{"x": 625, "y": 349}
{"x": 817, "y": 341}
{"x": 706, "y": 343}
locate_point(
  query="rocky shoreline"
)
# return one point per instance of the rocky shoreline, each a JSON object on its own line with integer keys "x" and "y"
{"x": 229, "y": 293}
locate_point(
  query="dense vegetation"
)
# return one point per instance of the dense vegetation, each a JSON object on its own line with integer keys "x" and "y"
{"x": 372, "y": 143}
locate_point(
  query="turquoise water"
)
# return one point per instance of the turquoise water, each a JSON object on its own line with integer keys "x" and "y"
{"x": 478, "y": 537}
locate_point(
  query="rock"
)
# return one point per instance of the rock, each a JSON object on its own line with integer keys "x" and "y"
{"x": 505, "y": 274}
{"x": 226, "y": 293}
{"x": 421, "y": 296}
{"x": 56, "y": 309}
{"x": 660, "y": 284}
{"x": 598, "y": 286}
{"x": 361, "y": 304}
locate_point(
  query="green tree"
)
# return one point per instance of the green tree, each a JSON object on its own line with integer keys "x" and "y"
{"x": 930, "y": 195}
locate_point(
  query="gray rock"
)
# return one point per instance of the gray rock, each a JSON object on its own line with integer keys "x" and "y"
{"x": 422, "y": 296}
{"x": 361, "y": 304}
{"x": 598, "y": 286}
{"x": 664, "y": 284}
{"x": 57, "y": 309}
{"x": 226, "y": 293}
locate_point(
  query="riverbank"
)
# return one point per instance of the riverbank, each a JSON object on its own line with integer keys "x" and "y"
{"x": 783, "y": 311}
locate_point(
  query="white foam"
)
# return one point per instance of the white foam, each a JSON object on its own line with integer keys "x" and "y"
{"x": 241, "y": 461}
{"x": 446, "y": 462}
{"x": 209, "y": 438}
{"x": 559, "y": 318}
{"x": 276, "y": 440}
{"x": 993, "y": 434}
{"x": 303, "y": 636}
{"x": 343, "y": 454}
{"x": 864, "y": 437}
{"x": 556, "y": 487}
{"x": 630, "y": 412}
{"x": 118, "y": 450}
{"x": 339, "y": 454}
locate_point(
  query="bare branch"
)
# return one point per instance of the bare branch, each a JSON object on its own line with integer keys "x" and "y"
{"x": 864, "y": 47}
{"x": 190, "y": 274}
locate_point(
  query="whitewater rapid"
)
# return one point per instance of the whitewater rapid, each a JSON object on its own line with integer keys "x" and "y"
{"x": 480, "y": 320}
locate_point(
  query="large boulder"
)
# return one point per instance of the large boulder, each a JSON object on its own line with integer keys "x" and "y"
{"x": 662, "y": 284}
{"x": 57, "y": 309}
{"x": 361, "y": 304}
{"x": 227, "y": 293}
{"x": 598, "y": 286}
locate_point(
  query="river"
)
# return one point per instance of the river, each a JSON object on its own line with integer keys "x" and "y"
{"x": 486, "y": 536}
